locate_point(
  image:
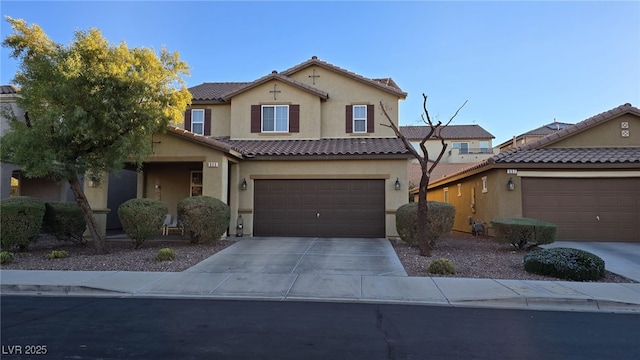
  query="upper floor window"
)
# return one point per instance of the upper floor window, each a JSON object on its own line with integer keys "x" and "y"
{"x": 359, "y": 118}
{"x": 197, "y": 121}
{"x": 484, "y": 147}
{"x": 275, "y": 118}
{"x": 463, "y": 147}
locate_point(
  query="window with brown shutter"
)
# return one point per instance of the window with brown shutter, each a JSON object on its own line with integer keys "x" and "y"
{"x": 275, "y": 118}
{"x": 360, "y": 119}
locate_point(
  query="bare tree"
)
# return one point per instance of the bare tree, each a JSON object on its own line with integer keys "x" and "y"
{"x": 435, "y": 130}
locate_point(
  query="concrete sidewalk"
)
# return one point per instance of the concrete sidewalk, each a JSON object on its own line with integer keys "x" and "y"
{"x": 341, "y": 270}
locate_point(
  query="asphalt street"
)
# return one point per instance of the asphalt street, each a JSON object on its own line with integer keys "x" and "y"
{"x": 154, "y": 328}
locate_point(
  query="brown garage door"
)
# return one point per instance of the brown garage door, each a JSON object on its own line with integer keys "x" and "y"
{"x": 586, "y": 209}
{"x": 319, "y": 208}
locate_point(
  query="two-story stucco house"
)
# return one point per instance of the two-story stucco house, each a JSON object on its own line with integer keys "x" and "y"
{"x": 301, "y": 152}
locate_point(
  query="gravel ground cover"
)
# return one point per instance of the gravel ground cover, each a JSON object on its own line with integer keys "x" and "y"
{"x": 473, "y": 257}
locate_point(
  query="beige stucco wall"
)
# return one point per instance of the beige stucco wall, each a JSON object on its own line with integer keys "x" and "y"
{"x": 607, "y": 134}
{"x": 167, "y": 173}
{"x": 451, "y": 155}
{"x": 345, "y": 91}
{"x": 323, "y": 169}
{"x": 288, "y": 95}
{"x": 496, "y": 202}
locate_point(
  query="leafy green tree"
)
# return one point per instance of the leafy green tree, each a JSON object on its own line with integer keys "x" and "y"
{"x": 90, "y": 106}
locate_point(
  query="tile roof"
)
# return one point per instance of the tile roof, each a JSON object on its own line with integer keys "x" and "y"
{"x": 215, "y": 90}
{"x": 222, "y": 91}
{"x": 450, "y": 132}
{"x": 571, "y": 156}
{"x": 9, "y": 89}
{"x": 546, "y": 129}
{"x": 335, "y": 146}
{"x": 205, "y": 140}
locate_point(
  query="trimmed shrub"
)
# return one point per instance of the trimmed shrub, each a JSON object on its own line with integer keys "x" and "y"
{"x": 524, "y": 232}
{"x": 65, "y": 221}
{"x": 440, "y": 218}
{"x": 165, "y": 254}
{"x": 565, "y": 263}
{"x": 204, "y": 218}
{"x": 58, "y": 254}
{"x": 442, "y": 267}
{"x": 20, "y": 221}
{"x": 5, "y": 257}
{"x": 142, "y": 219}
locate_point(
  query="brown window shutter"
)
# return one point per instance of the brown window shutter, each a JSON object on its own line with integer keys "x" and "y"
{"x": 294, "y": 118}
{"x": 256, "y": 123}
{"x": 370, "y": 119}
{"x": 187, "y": 120}
{"x": 349, "y": 117}
{"x": 207, "y": 122}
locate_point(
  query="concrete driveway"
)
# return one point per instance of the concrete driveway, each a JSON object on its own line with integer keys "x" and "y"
{"x": 326, "y": 256}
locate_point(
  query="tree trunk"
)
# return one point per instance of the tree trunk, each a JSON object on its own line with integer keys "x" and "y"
{"x": 81, "y": 199}
{"x": 424, "y": 243}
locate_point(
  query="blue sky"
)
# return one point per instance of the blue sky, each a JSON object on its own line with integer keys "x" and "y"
{"x": 519, "y": 64}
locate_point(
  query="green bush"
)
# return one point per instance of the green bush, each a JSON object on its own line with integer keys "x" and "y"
{"x": 20, "y": 221}
{"x": 5, "y": 257}
{"x": 565, "y": 263}
{"x": 204, "y": 218}
{"x": 524, "y": 232}
{"x": 58, "y": 254}
{"x": 442, "y": 267}
{"x": 142, "y": 219}
{"x": 440, "y": 218}
{"x": 64, "y": 220}
{"x": 165, "y": 254}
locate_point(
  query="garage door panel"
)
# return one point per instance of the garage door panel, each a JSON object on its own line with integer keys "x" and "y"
{"x": 598, "y": 209}
{"x": 346, "y": 208}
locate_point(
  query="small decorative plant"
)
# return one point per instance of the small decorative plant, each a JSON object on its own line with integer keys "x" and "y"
{"x": 58, "y": 254}
{"x": 166, "y": 254}
{"x": 6, "y": 257}
{"x": 442, "y": 267}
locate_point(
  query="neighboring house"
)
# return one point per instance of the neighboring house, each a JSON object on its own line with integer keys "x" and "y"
{"x": 465, "y": 143}
{"x": 301, "y": 152}
{"x": 585, "y": 178}
{"x": 14, "y": 183}
{"x": 533, "y": 135}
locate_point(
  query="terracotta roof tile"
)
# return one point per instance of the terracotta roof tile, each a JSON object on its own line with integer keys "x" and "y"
{"x": 338, "y": 146}
{"x": 215, "y": 90}
{"x": 571, "y": 156}
{"x": 449, "y": 132}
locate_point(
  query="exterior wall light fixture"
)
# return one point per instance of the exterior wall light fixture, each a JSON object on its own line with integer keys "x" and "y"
{"x": 397, "y": 184}
{"x": 243, "y": 185}
{"x": 511, "y": 185}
